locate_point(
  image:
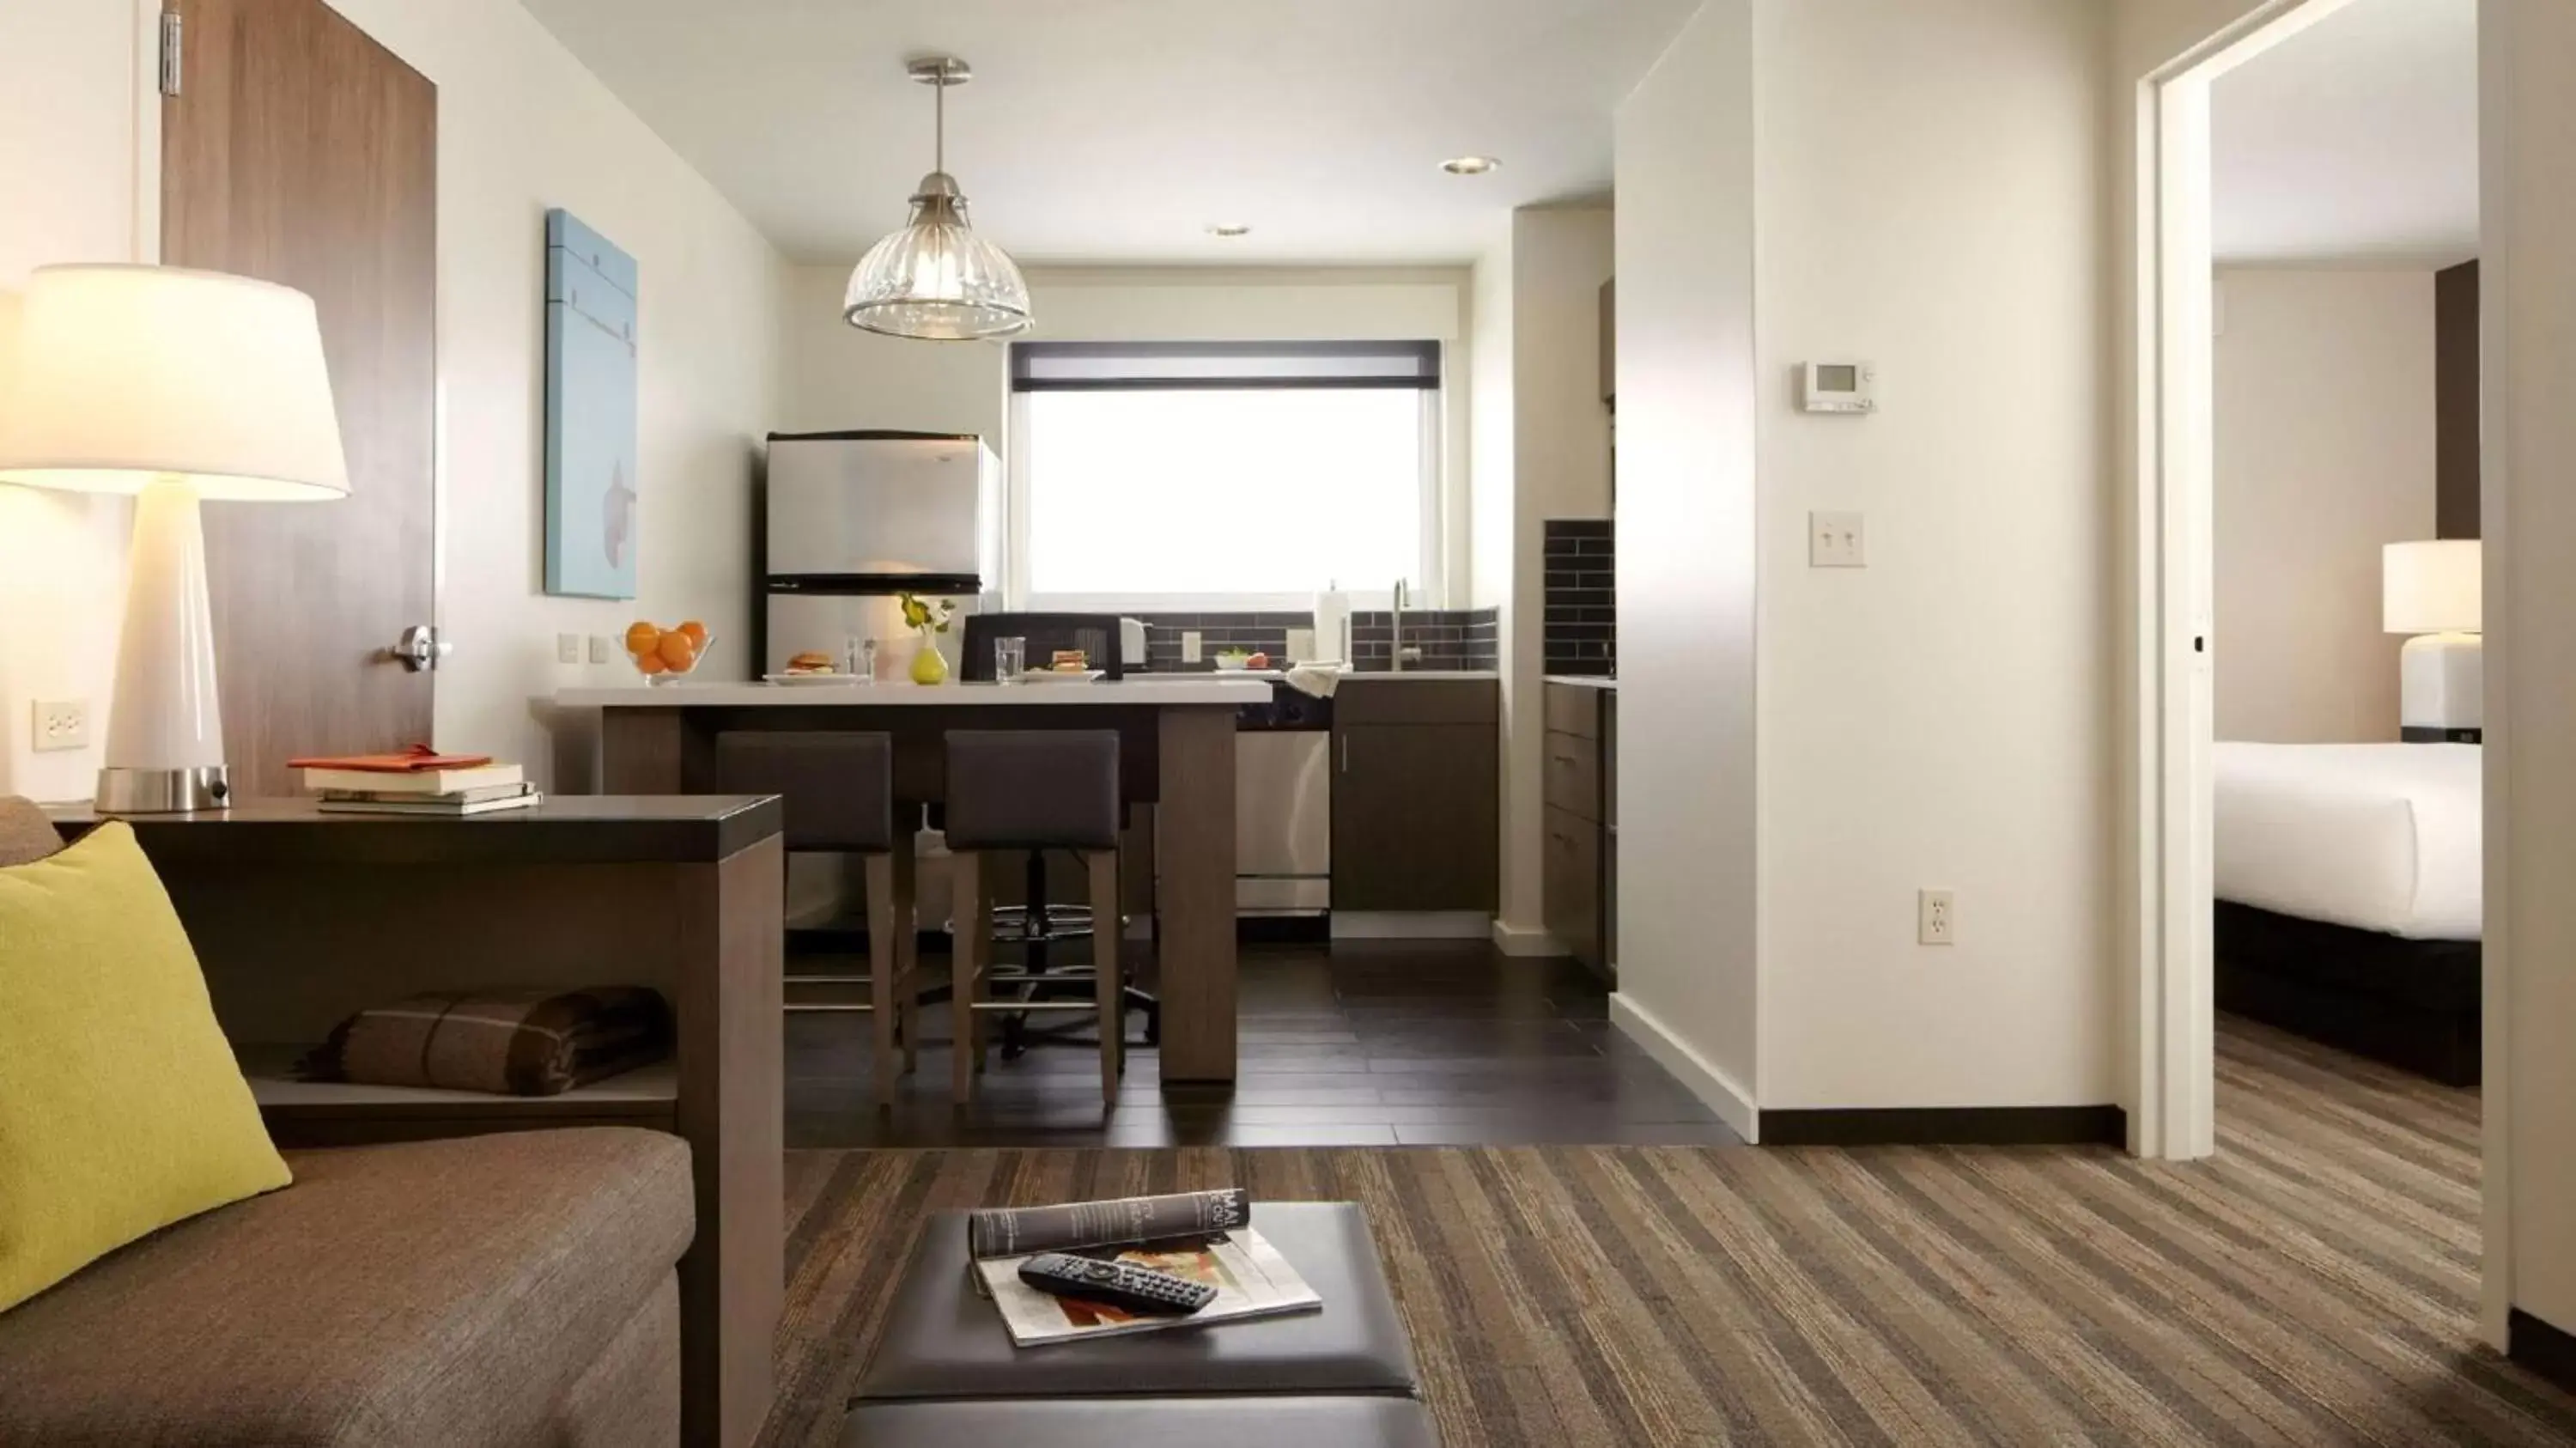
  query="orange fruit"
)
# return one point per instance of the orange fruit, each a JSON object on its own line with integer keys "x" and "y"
{"x": 641, "y": 637}
{"x": 650, "y": 663}
{"x": 696, "y": 631}
{"x": 679, "y": 651}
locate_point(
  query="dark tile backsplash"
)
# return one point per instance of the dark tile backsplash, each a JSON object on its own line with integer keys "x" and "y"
{"x": 1580, "y": 634}
{"x": 1467, "y": 638}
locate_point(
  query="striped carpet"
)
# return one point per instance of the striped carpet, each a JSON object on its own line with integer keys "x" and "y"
{"x": 2315, "y": 1283}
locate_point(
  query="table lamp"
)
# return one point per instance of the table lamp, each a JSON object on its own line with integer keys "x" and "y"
{"x": 174, "y": 386}
{"x": 2433, "y": 591}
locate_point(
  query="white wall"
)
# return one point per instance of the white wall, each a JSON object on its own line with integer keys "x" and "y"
{"x": 2324, "y": 431}
{"x": 69, "y": 109}
{"x": 2527, "y": 271}
{"x": 838, "y": 377}
{"x": 1685, "y": 249}
{"x": 1491, "y": 429}
{"x": 522, "y": 127}
{"x": 1931, "y": 196}
{"x": 1559, "y": 468}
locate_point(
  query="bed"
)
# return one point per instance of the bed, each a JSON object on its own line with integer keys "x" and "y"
{"x": 2350, "y": 896}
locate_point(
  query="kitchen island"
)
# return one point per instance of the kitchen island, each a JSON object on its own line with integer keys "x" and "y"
{"x": 1176, "y": 752}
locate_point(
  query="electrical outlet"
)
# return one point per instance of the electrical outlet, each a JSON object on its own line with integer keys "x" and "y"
{"x": 1834, "y": 541}
{"x": 567, "y": 648}
{"x": 1193, "y": 646}
{"x": 60, "y": 724}
{"x": 1936, "y": 917}
{"x": 599, "y": 648}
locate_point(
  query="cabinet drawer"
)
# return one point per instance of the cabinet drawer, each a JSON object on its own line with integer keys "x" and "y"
{"x": 1570, "y": 883}
{"x": 1573, "y": 774}
{"x": 1574, "y": 709}
{"x": 1394, "y": 699}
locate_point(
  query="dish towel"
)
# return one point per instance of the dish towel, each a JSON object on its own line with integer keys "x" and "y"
{"x": 508, "y": 1042}
{"x": 1319, "y": 680}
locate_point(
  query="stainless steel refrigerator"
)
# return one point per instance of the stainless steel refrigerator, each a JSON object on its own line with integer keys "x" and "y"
{"x": 851, "y": 519}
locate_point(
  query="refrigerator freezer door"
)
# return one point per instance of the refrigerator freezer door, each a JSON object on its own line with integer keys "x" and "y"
{"x": 844, "y": 506}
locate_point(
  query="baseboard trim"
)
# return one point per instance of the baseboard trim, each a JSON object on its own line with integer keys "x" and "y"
{"x": 2547, "y": 1350}
{"x": 1715, "y": 1090}
{"x": 1947, "y": 1126}
{"x": 1412, "y": 925}
{"x": 1525, "y": 940}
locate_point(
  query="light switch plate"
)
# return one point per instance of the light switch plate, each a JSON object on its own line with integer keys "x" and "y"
{"x": 599, "y": 648}
{"x": 567, "y": 648}
{"x": 1835, "y": 540}
{"x": 1193, "y": 646}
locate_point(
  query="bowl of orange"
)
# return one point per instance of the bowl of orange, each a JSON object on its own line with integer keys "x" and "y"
{"x": 667, "y": 655}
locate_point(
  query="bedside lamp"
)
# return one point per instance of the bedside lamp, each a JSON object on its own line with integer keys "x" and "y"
{"x": 174, "y": 386}
{"x": 2433, "y": 591}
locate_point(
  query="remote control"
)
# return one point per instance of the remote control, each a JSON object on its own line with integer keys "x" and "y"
{"x": 1116, "y": 1284}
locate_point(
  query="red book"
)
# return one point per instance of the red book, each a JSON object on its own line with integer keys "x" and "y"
{"x": 419, "y": 758}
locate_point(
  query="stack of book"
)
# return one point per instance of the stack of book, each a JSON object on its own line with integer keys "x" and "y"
{"x": 418, "y": 782}
{"x": 1204, "y": 1237}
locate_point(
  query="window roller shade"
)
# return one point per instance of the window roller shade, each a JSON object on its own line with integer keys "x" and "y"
{"x": 1209, "y": 366}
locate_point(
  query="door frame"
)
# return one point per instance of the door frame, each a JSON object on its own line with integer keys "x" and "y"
{"x": 2174, "y": 1053}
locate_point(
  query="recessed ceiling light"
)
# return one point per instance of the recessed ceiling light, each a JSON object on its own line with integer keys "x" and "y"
{"x": 1469, "y": 165}
{"x": 1229, "y": 228}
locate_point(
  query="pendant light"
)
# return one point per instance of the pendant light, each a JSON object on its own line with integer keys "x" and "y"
{"x": 936, "y": 280}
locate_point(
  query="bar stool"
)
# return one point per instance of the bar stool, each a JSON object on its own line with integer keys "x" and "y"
{"x": 1033, "y": 789}
{"x": 838, "y": 791}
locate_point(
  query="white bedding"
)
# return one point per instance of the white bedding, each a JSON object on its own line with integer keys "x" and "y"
{"x": 2380, "y": 837}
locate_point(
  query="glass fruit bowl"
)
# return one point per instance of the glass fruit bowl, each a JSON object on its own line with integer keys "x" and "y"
{"x": 668, "y": 655}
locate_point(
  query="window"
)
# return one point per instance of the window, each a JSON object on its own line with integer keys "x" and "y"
{"x": 1153, "y": 475}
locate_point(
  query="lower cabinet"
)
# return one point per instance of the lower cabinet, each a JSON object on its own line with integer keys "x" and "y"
{"x": 1579, "y": 833}
{"x": 1417, "y": 807}
{"x": 1570, "y": 877}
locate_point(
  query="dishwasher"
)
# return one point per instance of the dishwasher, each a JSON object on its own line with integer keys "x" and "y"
{"x": 1283, "y": 805}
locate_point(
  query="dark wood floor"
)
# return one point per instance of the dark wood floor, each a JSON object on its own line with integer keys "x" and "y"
{"x": 1389, "y": 1044}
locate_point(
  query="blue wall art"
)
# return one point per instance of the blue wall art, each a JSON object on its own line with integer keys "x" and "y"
{"x": 590, "y": 413}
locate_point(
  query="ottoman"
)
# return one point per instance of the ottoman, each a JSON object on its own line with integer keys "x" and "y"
{"x": 946, "y": 1372}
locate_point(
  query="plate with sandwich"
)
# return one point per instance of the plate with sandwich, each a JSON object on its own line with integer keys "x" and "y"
{"x": 1067, "y": 666}
{"x": 811, "y": 667}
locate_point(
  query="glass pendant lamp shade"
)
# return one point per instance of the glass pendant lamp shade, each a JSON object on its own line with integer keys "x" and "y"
{"x": 936, "y": 280}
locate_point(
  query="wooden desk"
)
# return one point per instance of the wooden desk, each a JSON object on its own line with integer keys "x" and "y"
{"x": 301, "y": 918}
{"x": 1176, "y": 751}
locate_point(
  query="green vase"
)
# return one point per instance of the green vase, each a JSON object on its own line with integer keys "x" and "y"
{"x": 928, "y": 665}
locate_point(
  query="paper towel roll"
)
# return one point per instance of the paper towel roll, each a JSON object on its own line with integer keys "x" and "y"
{"x": 1332, "y": 627}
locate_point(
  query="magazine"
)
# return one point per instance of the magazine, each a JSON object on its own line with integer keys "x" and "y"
{"x": 1025, "y": 1231}
{"x": 1251, "y": 1278}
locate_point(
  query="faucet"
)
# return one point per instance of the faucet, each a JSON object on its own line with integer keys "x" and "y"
{"x": 1395, "y": 632}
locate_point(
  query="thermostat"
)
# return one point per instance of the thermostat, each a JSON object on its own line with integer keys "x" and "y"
{"x": 1837, "y": 387}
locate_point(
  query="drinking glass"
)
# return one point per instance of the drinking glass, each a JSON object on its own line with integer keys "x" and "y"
{"x": 1010, "y": 659}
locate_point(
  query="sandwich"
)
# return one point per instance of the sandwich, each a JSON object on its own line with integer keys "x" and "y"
{"x": 812, "y": 661}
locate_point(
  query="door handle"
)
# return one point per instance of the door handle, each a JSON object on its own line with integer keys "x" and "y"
{"x": 1346, "y": 754}
{"x": 420, "y": 647}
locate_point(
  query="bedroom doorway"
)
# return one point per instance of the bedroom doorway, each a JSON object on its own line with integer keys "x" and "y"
{"x": 2204, "y": 619}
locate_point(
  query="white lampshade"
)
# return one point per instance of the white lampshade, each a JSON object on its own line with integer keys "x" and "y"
{"x": 125, "y": 375}
{"x": 2431, "y": 587}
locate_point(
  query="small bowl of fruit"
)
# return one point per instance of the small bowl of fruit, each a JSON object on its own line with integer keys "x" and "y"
{"x": 667, "y": 655}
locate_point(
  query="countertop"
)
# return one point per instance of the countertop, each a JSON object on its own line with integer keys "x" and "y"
{"x": 1143, "y": 691}
{"x": 1585, "y": 681}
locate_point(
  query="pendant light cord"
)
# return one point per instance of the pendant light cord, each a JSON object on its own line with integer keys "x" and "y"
{"x": 939, "y": 123}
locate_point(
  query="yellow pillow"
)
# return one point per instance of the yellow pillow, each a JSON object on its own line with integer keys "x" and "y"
{"x": 121, "y": 1107}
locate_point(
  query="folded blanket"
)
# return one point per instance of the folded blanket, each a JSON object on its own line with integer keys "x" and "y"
{"x": 514, "y": 1042}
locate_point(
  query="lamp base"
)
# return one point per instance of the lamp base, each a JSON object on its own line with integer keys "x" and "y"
{"x": 2441, "y": 682}
{"x": 163, "y": 791}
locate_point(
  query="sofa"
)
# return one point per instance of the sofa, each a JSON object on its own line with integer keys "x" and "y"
{"x": 505, "y": 1290}
{"x": 512, "y": 1289}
